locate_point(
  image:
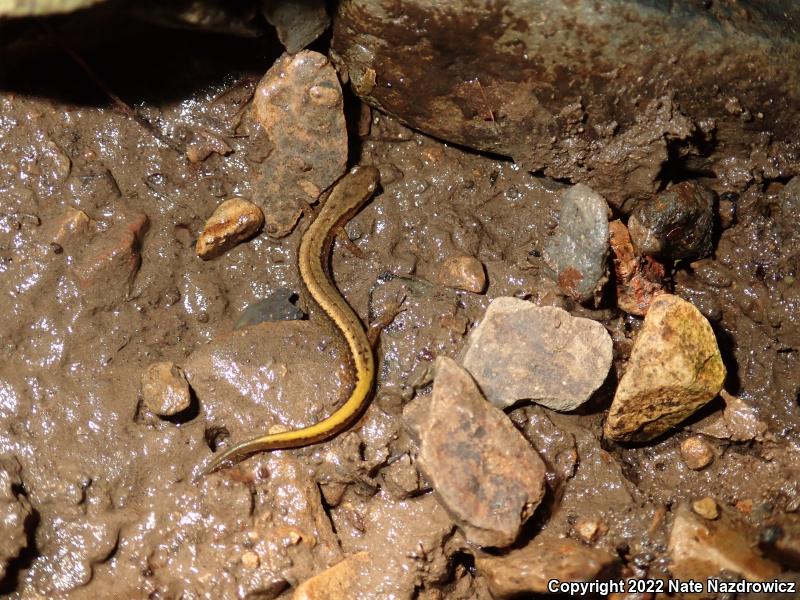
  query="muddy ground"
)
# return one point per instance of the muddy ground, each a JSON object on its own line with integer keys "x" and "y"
{"x": 101, "y": 488}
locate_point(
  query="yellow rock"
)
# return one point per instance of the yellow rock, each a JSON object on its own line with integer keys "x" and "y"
{"x": 674, "y": 369}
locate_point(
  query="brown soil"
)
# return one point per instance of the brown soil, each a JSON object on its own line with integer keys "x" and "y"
{"x": 85, "y": 307}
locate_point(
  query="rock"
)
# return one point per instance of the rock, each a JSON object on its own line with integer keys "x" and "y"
{"x": 15, "y": 511}
{"x": 577, "y": 251}
{"x": 233, "y": 222}
{"x": 529, "y": 569}
{"x": 706, "y": 508}
{"x": 74, "y": 226}
{"x": 678, "y": 223}
{"x": 638, "y": 279}
{"x": 165, "y": 390}
{"x": 590, "y": 529}
{"x": 485, "y": 473}
{"x": 287, "y": 373}
{"x": 463, "y": 273}
{"x": 741, "y": 419}
{"x": 334, "y": 583}
{"x": 521, "y": 351}
{"x": 278, "y": 306}
{"x": 780, "y": 540}
{"x": 697, "y": 453}
{"x": 415, "y": 542}
{"x": 297, "y": 23}
{"x": 108, "y": 265}
{"x": 700, "y": 549}
{"x": 674, "y": 369}
{"x": 298, "y": 105}
{"x": 533, "y": 92}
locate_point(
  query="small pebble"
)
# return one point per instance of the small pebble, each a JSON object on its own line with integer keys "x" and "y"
{"x": 706, "y": 508}
{"x": 741, "y": 419}
{"x": 164, "y": 389}
{"x": 463, "y": 273}
{"x": 590, "y": 529}
{"x": 696, "y": 453}
{"x": 250, "y": 560}
{"x": 233, "y": 222}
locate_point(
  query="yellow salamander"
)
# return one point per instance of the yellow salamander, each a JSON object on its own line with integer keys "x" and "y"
{"x": 346, "y": 198}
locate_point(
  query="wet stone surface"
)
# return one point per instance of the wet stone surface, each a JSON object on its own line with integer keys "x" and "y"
{"x": 675, "y": 224}
{"x": 487, "y": 477}
{"x": 521, "y": 351}
{"x": 675, "y": 368}
{"x": 577, "y": 251}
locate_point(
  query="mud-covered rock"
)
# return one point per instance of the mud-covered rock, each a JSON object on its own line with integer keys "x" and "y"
{"x": 485, "y": 473}
{"x": 165, "y": 390}
{"x": 678, "y": 223}
{"x": 298, "y": 105}
{"x": 336, "y": 582}
{"x": 674, "y": 369}
{"x": 409, "y": 544}
{"x": 701, "y": 548}
{"x": 529, "y": 569}
{"x": 741, "y": 419}
{"x": 266, "y": 375}
{"x": 233, "y": 222}
{"x": 577, "y": 251}
{"x": 521, "y": 351}
{"x": 561, "y": 86}
{"x": 107, "y": 266}
{"x": 697, "y": 453}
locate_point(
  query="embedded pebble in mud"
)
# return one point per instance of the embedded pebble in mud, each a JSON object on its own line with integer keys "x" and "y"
{"x": 706, "y": 508}
{"x": 278, "y": 306}
{"x": 73, "y": 227}
{"x": 108, "y": 265}
{"x": 780, "y": 540}
{"x": 265, "y": 375}
{"x": 700, "y": 548}
{"x": 463, "y": 273}
{"x": 741, "y": 419}
{"x": 697, "y": 453}
{"x": 233, "y": 222}
{"x": 521, "y": 351}
{"x": 485, "y": 473}
{"x": 298, "y": 104}
{"x": 15, "y": 511}
{"x": 678, "y": 223}
{"x": 577, "y": 251}
{"x": 674, "y": 369}
{"x": 590, "y": 529}
{"x": 638, "y": 279}
{"x": 165, "y": 390}
{"x": 529, "y": 569}
{"x": 336, "y": 582}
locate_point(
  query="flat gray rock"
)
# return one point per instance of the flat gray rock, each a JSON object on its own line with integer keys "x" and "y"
{"x": 541, "y": 353}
